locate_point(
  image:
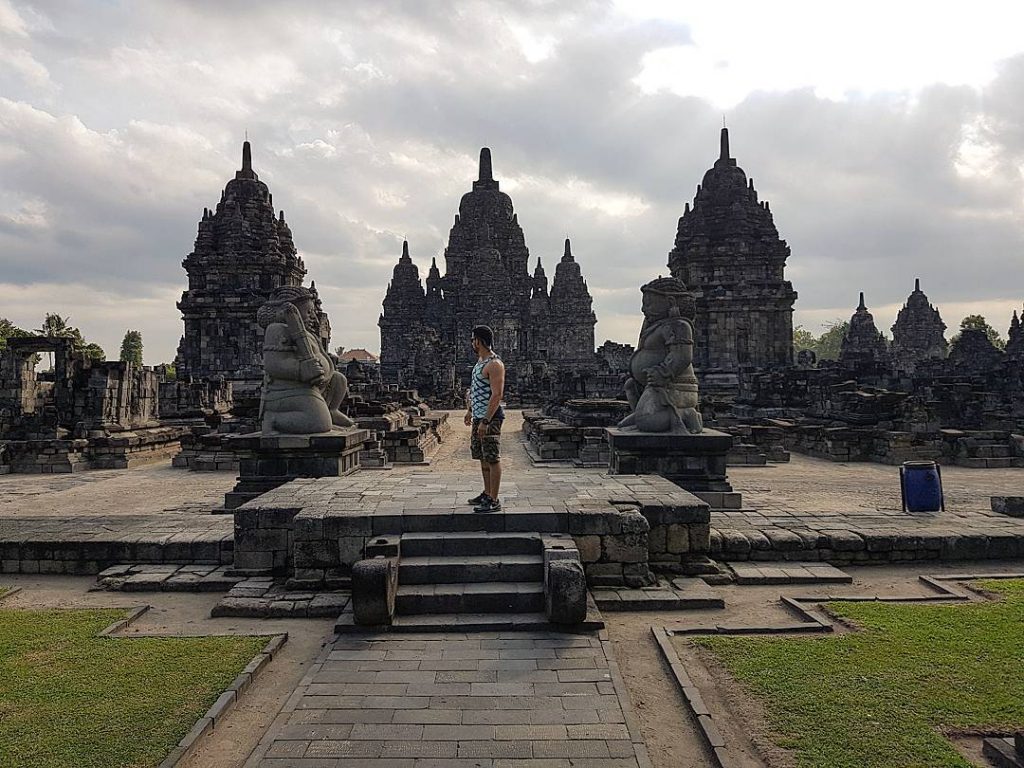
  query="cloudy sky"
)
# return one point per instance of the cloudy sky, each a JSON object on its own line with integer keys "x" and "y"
{"x": 888, "y": 137}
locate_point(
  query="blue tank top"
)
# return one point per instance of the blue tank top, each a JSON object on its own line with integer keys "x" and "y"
{"x": 480, "y": 390}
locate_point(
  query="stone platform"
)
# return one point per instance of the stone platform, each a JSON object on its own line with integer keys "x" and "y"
{"x": 314, "y": 530}
{"x": 694, "y": 462}
{"x": 267, "y": 462}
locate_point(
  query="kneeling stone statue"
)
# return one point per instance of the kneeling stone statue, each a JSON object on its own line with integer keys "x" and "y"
{"x": 662, "y": 388}
{"x": 302, "y": 391}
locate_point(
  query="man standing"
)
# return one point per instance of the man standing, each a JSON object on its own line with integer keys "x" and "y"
{"x": 484, "y": 414}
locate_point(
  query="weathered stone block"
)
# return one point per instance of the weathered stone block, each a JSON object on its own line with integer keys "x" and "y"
{"x": 657, "y": 540}
{"x": 589, "y": 548}
{"x": 627, "y": 548}
{"x": 565, "y": 592}
{"x": 678, "y": 539}
{"x": 700, "y": 538}
{"x": 1013, "y": 506}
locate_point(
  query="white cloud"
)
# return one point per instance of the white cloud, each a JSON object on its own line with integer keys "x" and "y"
{"x": 889, "y": 140}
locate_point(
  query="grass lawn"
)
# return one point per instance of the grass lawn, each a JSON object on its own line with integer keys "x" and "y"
{"x": 876, "y": 698}
{"x": 69, "y": 698}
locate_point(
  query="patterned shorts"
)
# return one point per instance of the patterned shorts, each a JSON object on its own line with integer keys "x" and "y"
{"x": 487, "y": 448}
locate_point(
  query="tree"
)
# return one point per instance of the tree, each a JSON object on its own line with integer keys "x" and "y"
{"x": 979, "y": 323}
{"x": 131, "y": 348}
{"x": 831, "y": 341}
{"x": 9, "y": 330}
{"x": 803, "y": 339}
{"x": 94, "y": 352}
{"x": 57, "y": 327}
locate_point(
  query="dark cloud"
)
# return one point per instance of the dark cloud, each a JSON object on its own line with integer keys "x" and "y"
{"x": 119, "y": 123}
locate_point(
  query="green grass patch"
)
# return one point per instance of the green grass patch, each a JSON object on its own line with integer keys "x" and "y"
{"x": 876, "y": 698}
{"x": 69, "y": 698}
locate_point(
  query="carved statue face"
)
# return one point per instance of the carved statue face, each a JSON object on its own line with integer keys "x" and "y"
{"x": 656, "y": 306}
{"x": 307, "y": 309}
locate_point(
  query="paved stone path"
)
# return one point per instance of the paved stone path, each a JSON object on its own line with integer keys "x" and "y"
{"x": 489, "y": 700}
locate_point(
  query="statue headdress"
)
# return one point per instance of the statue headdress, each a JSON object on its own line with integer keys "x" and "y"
{"x": 675, "y": 289}
{"x": 271, "y": 311}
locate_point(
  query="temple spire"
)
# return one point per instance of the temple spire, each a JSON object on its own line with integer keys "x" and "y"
{"x": 485, "y": 165}
{"x": 567, "y": 254}
{"x": 247, "y": 172}
{"x": 861, "y": 305}
{"x": 917, "y": 284}
{"x": 725, "y": 144}
{"x": 405, "y": 252}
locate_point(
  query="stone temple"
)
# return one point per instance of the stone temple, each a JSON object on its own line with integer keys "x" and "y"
{"x": 728, "y": 251}
{"x": 918, "y": 333}
{"x": 864, "y": 348}
{"x": 243, "y": 251}
{"x": 541, "y": 334}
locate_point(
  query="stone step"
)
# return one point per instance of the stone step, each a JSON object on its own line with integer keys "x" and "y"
{"x": 453, "y": 569}
{"x": 469, "y": 543}
{"x": 493, "y": 597}
{"x": 470, "y": 622}
{"x": 466, "y": 520}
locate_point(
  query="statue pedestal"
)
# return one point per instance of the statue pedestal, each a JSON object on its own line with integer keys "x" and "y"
{"x": 693, "y": 462}
{"x": 268, "y": 462}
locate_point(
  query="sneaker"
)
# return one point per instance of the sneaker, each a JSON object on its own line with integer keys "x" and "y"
{"x": 478, "y": 499}
{"x": 488, "y": 505}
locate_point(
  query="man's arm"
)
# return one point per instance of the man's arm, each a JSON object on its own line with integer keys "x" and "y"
{"x": 495, "y": 373}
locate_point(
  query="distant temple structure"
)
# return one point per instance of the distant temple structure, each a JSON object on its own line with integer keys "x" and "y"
{"x": 542, "y": 335}
{"x": 918, "y": 333}
{"x": 729, "y": 253}
{"x": 864, "y": 348}
{"x": 242, "y": 253}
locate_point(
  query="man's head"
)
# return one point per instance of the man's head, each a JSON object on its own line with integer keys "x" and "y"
{"x": 483, "y": 338}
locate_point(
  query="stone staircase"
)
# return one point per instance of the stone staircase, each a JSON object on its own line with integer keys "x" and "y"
{"x": 470, "y": 581}
{"x": 986, "y": 451}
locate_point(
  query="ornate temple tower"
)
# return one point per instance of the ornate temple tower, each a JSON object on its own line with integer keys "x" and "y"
{"x": 572, "y": 317}
{"x": 917, "y": 334}
{"x": 864, "y": 348}
{"x": 486, "y": 281}
{"x": 486, "y": 245}
{"x": 1015, "y": 340}
{"x": 401, "y": 323}
{"x": 242, "y": 253}
{"x": 540, "y": 312}
{"x": 729, "y": 253}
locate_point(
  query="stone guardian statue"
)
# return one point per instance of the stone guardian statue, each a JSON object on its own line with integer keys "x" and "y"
{"x": 302, "y": 391}
{"x": 662, "y": 387}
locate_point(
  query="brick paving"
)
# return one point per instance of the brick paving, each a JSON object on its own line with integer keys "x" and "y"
{"x": 491, "y": 700}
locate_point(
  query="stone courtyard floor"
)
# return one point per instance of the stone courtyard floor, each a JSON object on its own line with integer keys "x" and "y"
{"x": 807, "y": 507}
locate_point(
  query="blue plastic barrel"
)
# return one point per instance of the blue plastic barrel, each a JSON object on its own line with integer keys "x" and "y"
{"x": 921, "y": 486}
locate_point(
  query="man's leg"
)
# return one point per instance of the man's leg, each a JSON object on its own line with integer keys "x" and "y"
{"x": 495, "y": 479}
{"x": 485, "y": 470}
